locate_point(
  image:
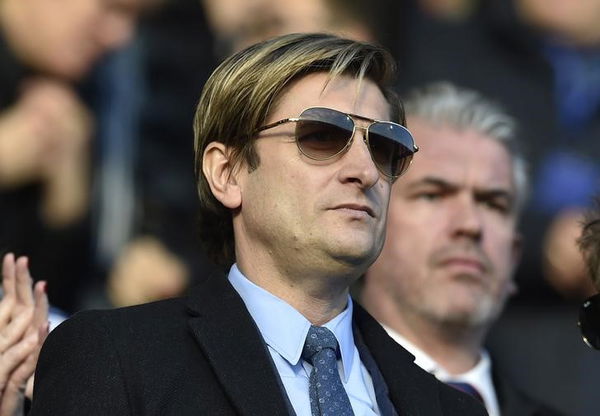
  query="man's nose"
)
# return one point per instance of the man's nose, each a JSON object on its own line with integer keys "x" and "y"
{"x": 466, "y": 219}
{"x": 357, "y": 163}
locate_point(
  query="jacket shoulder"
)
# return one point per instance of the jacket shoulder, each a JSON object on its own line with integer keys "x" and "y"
{"x": 100, "y": 354}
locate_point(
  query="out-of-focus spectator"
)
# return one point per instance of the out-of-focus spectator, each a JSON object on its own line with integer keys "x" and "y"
{"x": 446, "y": 268}
{"x": 547, "y": 80}
{"x": 24, "y": 326}
{"x": 541, "y": 61}
{"x": 147, "y": 245}
{"x": 146, "y": 271}
{"x": 239, "y": 23}
{"x": 45, "y": 128}
{"x": 569, "y": 37}
{"x": 451, "y": 10}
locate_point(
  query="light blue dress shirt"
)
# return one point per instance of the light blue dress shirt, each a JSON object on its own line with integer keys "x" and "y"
{"x": 284, "y": 330}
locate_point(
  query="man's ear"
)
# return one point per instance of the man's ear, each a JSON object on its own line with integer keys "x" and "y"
{"x": 218, "y": 171}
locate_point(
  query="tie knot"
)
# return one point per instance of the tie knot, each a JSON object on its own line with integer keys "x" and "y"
{"x": 318, "y": 339}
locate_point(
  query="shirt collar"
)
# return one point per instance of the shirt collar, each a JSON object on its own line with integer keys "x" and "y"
{"x": 479, "y": 376}
{"x": 421, "y": 359}
{"x": 284, "y": 329}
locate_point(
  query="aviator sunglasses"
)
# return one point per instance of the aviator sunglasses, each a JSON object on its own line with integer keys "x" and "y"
{"x": 323, "y": 133}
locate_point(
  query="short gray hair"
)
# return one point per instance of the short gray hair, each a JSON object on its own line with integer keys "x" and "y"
{"x": 443, "y": 103}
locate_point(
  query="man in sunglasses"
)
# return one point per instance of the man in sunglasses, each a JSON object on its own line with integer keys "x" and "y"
{"x": 297, "y": 143}
{"x": 447, "y": 265}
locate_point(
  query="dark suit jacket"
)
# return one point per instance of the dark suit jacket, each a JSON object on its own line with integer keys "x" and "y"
{"x": 201, "y": 355}
{"x": 514, "y": 402}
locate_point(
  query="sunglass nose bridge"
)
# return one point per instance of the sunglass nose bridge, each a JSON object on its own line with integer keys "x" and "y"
{"x": 364, "y": 129}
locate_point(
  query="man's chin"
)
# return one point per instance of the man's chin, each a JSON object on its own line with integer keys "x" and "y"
{"x": 472, "y": 316}
{"x": 355, "y": 255}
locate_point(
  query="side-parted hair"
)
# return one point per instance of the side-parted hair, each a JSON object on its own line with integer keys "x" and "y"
{"x": 444, "y": 104}
{"x": 242, "y": 91}
{"x": 589, "y": 243}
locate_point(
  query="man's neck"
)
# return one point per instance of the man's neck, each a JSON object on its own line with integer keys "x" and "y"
{"x": 317, "y": 296}
{"x": 456, "y": 350}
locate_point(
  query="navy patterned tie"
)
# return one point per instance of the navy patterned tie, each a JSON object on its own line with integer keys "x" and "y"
{"x": 326, "y": 392}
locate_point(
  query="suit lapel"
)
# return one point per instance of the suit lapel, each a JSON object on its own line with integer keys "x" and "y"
{"x": 235, "y": 349}
{"x": 409, "y": 390}
{"x": 382, "y": 394}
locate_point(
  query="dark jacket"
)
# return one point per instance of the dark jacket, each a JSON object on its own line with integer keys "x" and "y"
{"x": 514, "y": 402}
{"x": 203, "y": 355}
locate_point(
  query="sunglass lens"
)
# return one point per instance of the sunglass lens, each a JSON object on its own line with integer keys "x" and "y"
{"x": 391, "y": 147}
{"x": 322, "y": 133}
{"x": 589, "y": 321}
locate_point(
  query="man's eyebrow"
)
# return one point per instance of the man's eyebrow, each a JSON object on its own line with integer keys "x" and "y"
{"x": 495, "y": 193}
{"x": 433, "y": 181}
{"x": 489, "y": 193}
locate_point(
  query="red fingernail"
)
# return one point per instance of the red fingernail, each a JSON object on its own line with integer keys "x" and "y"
{"x": 45, "y": 287}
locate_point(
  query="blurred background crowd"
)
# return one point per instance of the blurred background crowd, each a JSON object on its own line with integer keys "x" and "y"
{"x": 96, "y": 173}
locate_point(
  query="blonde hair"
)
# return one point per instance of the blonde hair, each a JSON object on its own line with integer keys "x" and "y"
{"x": 238, "y": 96}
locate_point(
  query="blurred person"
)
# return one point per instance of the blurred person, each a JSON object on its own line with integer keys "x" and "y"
{"x": 46, "y": 48}
{"x": 70, "y": 36}
{"x": 238, "y": 23}
{"x": 570, "y": 43}
{"x": 540, "y": 61}
{"x": 294, "y": 189}
{"x": 145, "y": 271}
{"x": 572, "y": 23}
{"x": 147, "y": 246}
{"x": 449, "y": 10}
{"x": 548, "y": 82}
{"x": 446, "y": 268}
{"x": 24, "y": 326}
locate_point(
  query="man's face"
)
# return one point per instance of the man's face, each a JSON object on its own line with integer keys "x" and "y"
{"x": 69, "y": 36}
{"x": 315, "y": 216}
{"x": 451, "y": 244}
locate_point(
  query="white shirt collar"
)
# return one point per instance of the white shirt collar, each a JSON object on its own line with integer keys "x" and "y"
{"x": 284, "y": 328}
{"x": 479, "y": 376}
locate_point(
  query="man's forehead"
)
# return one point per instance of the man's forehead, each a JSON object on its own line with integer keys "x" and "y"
{"x": 320, "y": 89}
{"x": 460, "y": 158}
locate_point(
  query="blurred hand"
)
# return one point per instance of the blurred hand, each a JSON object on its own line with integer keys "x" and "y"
{"x": 145, "y": 272}
{"x": 65, "y": 169}
{"x": 44, "y": 137}
{"x": 563, "y": 263}
{"x": 24, "y": 142}
{"x": 23, "y": 329}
